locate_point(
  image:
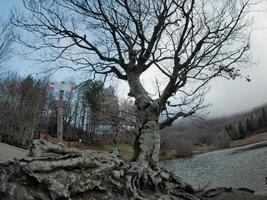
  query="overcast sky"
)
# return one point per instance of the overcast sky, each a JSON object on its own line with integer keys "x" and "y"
{"x": 229, "y": 97}
{"x": 226, "y": 97}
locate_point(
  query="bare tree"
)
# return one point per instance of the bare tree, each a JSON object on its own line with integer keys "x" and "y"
{"x": 6, "y": 38}
{"x": 22, "y": 103}
{"x": 189, "y": 42}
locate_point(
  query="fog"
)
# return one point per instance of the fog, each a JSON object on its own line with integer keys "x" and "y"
{"x": 230, "y": 97}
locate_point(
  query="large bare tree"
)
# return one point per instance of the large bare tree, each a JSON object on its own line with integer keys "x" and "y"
{"x": 189, "y": 42}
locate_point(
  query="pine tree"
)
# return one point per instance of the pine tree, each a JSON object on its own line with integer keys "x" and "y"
{"x": 264, "y": 118}
{"x": 248, "y": 126}
{"x": 242, "y": 131}
{"x": 260, "y": 123}
{"x": 263, "y": 114}
{"x": 231, "y": 131}
{"x": 253, "y": 124}
{"x": 228, "y": 127}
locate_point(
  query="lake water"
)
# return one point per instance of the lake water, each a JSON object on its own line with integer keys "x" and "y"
{"x": 224, "y": 168}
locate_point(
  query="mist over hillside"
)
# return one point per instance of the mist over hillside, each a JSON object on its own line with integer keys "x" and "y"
{"x": 207, "y": 131}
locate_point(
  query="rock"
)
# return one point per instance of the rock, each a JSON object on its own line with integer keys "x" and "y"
{"x": 165, "y": 175}
{"x": 117, "y": 174}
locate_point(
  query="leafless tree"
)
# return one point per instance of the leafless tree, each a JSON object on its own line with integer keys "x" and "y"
{"x": 189, "y": 42}
{"x": 22, "y": 103}
{"x": 6, "y": 39}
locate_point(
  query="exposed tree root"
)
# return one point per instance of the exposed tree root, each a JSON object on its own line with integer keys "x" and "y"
{"x": 71, "y": 174}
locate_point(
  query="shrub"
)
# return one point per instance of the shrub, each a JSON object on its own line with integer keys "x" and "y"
{"x": 183, "y": 148}
{"x": 222, "y": 139}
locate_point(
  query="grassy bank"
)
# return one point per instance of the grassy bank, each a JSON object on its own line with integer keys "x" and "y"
{"x": 237, "y": 143}
{"x": 249, "y": 140}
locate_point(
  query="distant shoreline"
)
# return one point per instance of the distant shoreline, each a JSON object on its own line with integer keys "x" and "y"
{"x": 251, "y": 140}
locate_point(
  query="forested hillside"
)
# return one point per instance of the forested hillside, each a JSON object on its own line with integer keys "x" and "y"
{"x": 214, "y": 132}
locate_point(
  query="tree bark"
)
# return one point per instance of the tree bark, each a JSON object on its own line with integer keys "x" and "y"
{"x": 147, "y": 141}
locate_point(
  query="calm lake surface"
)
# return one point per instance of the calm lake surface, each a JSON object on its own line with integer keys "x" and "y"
{"x": 224, "y": 168}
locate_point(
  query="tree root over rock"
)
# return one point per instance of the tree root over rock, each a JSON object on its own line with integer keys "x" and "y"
{"x": 58, "y": 173}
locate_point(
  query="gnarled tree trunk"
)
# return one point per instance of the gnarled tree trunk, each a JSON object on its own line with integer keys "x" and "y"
{"x": 147, "y": 141}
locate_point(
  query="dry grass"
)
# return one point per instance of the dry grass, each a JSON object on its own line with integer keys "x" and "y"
{"x": 250, "y": 140}
{"x": 70, "y": 144}
{"x": 201, "y": 148}
{"x": 126, "y": 150}
{"x": 237, "y": 143}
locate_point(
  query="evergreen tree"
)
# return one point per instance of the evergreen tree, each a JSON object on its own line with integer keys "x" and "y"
{"x": 231, "y": 131}
{"x": 248, "y": 126}
{"x": 242, "y": 131}
{"x": 252, "y": 123}
{"x": 260, "y": 123}
{"x": 228, "y": 127}
{"x": 103, "y": 103}
{"x": 264, "y": 118}
{"x": 263, "y": 114}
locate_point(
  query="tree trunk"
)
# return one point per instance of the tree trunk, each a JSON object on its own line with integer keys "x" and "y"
{"x": 147, "y": 141}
